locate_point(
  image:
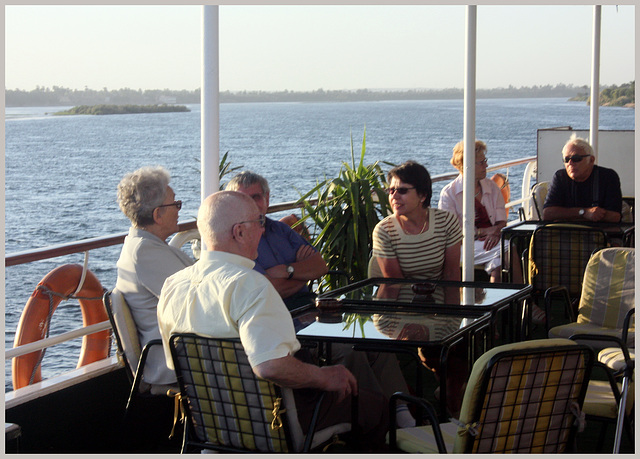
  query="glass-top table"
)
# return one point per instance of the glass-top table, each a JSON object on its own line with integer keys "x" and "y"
{"x": 505, "y": 302}
{"x": 402, "y": 315}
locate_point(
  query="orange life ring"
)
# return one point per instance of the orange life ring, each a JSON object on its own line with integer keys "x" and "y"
{"x": 33, "y": 324}
{"x": 503, "y": 183}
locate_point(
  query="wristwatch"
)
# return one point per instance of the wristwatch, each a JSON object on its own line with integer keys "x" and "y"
{"x": 581, "y": 212}
{"x": 290, "y": 271}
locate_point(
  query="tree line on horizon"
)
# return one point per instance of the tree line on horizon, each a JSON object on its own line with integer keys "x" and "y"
{"x": 60, "y": 96}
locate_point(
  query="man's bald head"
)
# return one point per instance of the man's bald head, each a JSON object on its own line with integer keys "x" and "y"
{"x": 219, "y": 213}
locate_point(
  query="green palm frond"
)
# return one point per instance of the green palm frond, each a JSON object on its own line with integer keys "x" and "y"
{"x": 349, "y": 207}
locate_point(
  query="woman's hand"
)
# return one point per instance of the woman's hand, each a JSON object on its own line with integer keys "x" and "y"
{"x": 490, "y": 236}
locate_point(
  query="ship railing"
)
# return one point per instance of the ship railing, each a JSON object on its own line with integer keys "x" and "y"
{"x": 86, "y": 245}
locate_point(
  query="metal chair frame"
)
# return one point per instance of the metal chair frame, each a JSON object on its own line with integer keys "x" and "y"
{"x": 134, "y": 375}
{"x": 221, "y": 395}
{"x": 489, "y": 399}
{"x": 622, "y": 420}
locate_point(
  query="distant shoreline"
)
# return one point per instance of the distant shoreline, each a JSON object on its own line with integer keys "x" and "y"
{"x": 44, "y": 97}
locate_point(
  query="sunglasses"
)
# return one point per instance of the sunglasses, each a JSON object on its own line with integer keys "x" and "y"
{"x": 261, "y": 219}
{"x": 400, "y": 190}
{"x": 574, "y": 158}
{"x": 178, "y": 204}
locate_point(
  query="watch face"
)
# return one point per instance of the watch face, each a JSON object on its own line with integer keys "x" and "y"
{"x": 289, "y": 269}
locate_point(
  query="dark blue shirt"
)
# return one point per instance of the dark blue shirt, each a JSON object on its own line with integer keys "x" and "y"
{"x": 278, "y": 246}
{"x": 601, "y": 189}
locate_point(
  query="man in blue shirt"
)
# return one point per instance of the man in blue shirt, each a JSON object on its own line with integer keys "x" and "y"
{"x": 287, "y": 259}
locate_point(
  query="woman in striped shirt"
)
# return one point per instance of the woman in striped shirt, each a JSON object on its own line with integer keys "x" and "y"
{"x": 417, "y": 241}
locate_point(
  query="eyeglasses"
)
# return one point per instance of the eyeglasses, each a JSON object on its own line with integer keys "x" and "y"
{"x": 178, "y": 204}
{"x": 484, "y": 162}
{"x": 400, "y": 190}
{"x": 574, "y": 158}
{"x": 261, "y": 219}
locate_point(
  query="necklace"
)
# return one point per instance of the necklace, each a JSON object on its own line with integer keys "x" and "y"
{"x": 426, "y": 220}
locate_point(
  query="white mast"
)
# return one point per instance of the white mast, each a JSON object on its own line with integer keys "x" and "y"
{"x": 209, "y": 104}
{"x": 595, "y": 80}
{"x": 469, "y": 138}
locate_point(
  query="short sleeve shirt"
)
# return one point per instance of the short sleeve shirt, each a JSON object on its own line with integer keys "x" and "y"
{"x": 602, "y": 189}
{"x": 421, "y": 256}
{"x": 222, "y": 296}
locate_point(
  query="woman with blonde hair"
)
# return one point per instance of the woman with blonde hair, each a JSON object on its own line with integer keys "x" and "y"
{"x": 490, "y": 211}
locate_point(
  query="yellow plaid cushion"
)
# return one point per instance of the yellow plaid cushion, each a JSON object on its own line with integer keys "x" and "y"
{"x": 609, "y": 288}
{"x": 229, "y": 405}
{"x": 558, "y": 255}
{"x": 421, "y": 439}
{"x": 600, "y": 400}
{"x": 614, "y": 359}
{"x": 527, "y": 405}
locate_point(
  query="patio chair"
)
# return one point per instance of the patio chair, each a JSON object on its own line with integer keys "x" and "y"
{"x": 522, "y": 397}
{"x": 610, "y": 401}
{"x": 557, "y": 255}
{"x": 538, "y": 195}
{"x": 128, "y": 346}
{"x": 229, "y": 409}
{"x": 606, "y": 298}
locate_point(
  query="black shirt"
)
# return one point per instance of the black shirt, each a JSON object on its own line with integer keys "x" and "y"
{"x": 601, "y": 189}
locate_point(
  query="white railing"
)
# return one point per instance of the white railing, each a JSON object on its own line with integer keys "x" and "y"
{"x": 106, "y": 241}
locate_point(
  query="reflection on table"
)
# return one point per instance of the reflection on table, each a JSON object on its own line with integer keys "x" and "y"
{"x": 505, "y": 302}
{"x": 430, "y": 334}
{"x": 368, "y": 324}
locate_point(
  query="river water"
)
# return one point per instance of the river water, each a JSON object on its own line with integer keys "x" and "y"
{"x": 61, "y": 173}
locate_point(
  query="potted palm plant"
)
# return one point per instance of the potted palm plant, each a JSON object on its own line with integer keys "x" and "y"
{"x": 348, "y": 208}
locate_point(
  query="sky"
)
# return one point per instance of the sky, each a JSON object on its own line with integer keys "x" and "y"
{"x": 304, "y": 48}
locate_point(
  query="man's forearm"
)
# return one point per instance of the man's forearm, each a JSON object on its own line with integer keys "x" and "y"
{"x": 561, "y": 213}
{"x": 286, "y": 287}
{"x": 310, "y": 268}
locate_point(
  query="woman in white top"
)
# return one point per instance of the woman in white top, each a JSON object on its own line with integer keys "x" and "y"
{"x": 491, "y": 215}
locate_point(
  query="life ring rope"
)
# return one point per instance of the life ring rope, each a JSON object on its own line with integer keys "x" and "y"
{"x": 85, "y": 268}
{"x": 50, "y": 293}
{"x": 37, "y": 315}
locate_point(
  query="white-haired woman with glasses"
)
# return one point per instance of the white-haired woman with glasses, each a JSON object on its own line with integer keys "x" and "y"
{"x": 146, "y": 259}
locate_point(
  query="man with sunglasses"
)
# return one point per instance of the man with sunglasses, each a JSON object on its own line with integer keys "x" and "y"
{"x": 583, "y": 190}
{"x": 287, "y": 259}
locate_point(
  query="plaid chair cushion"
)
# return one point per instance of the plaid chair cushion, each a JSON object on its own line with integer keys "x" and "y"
{"x": 228, "y": 404}
{"x": 527, "y": 402}
{"x": 609, "y": 288}
{"x": 558, "y": 255}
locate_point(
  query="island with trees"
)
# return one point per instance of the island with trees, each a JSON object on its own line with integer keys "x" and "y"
{"x": 103, "y": 109}
{"x": 613, "y": 96}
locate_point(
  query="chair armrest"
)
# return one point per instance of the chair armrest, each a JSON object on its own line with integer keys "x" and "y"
{"x": 137, "y": 379}
{"x": 626, "y": 324}
{"x": 308, "y": 441}
{"x": 427, "y": 408}
{"x": 561, "y": 292}
{"x": 629, "y": 362}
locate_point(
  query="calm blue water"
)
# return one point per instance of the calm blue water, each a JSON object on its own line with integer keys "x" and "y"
{"x": 62, "y": 172}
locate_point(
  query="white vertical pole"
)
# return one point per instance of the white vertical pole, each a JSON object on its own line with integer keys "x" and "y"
{"x": 209, "y": 104}
{"x": 469, "y": 138}
{"x": 595, "y": 80}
